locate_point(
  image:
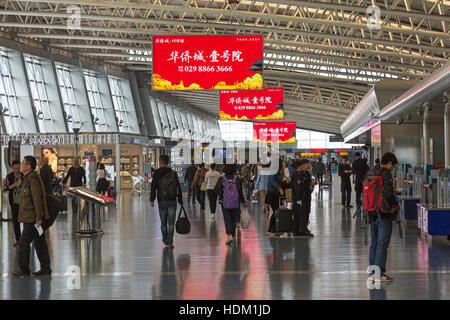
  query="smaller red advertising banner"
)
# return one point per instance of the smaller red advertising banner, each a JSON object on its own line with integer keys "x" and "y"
{"x": 376, "y": 134}
{"x": 319, "y": 150}
{"x": 250, "y": 105}
{"x": 270, "y": 132}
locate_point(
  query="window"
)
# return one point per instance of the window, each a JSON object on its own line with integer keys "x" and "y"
{"x": 44, "y": 113}
{"x": 68, "y": 96}
{"x": 9, "y": 108}
{"x": 118, "y": 98}
{"x": 97, "y": 109}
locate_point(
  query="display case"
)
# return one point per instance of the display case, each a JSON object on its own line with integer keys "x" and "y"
{"x": 62, "y": 168}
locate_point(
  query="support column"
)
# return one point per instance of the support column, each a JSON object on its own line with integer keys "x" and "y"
{"x": 118, "y": 169}
{"x": 426, "y": 135}
{"x": 447, "y": 131}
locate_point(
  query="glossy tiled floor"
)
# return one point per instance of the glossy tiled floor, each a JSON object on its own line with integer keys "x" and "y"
{"x": 129, "y": 261}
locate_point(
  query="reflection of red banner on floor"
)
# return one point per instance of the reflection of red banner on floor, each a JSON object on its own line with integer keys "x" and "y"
{"x": 207, "y": 62}
{"x": 270, "y": 132}
{"x": 250, "y": 105}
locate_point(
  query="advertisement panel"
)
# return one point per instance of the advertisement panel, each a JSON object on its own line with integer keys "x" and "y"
{"x": 207, "y": 62}
{"x": 271, "y": 131}
{"x": 250, "y": 105}
{"x": 376, "y": 135}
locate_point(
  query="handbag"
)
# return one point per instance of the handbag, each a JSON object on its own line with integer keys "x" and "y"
{"x": 245, "y": 218}
{"x": 182, "y": 226}
{"x": 204, "y": 186}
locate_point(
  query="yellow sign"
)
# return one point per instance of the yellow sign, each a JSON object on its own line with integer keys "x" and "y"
{"x": 343, "y": 153}
{"x": 303, "y": 154}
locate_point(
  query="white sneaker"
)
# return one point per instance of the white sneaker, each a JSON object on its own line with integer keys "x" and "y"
{"x": 230, "y": 239}
{"x": 213, "y": 216}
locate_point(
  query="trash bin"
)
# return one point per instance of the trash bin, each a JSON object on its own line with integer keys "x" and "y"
{"x": 90, "y": 208}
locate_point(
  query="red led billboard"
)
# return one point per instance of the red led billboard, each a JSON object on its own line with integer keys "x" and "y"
{"x": 249, "y": 105}
{"x": 270, "y": 131}
{"x": 207, "y": 62}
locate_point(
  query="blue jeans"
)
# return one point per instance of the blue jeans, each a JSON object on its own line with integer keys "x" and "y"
{"x": 230, "y": 217}
{"x": 380, "y": 234}
{"x": 167, "y": 214}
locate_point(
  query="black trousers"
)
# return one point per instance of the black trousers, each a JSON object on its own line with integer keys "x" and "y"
{"x": 301, "y": 218}
{"x": 212, "y": 197}
{"x": 29, "y": 235}
{"x": 320, "y": 178}
{"x": 74, "y": 204}
{"x": 191, "y": 192}
{"x": 359, "y": 191}
{"x": 346, "y": 191}
{"x": 15, "y": 219}
{"x": 201, "y": 195}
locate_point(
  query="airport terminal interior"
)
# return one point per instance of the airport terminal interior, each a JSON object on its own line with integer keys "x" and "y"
{"x": 289, "y": 95}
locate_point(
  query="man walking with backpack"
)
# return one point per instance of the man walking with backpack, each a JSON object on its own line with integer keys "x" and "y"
{"x": 229, "y": 189}
{"x": 166, "y": 186}
{"x": 32, "y": 213}
{"x": 382, "y": 212}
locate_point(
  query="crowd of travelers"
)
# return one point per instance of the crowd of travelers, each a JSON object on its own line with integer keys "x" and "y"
{"x": 233, "y": 187}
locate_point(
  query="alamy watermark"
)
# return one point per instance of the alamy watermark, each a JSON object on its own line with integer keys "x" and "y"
{"x": 73, "y": 274}
{"x": 220, "y": 152}
{"x": 373, "y": 16}
{"x": 371, "y": 283}
{"x": 74, "y": 20}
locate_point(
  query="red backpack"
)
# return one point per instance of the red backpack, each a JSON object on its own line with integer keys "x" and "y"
{"x": 373, "y": 195}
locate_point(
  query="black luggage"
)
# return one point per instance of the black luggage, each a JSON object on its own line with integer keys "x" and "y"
{"x": 282, "y": 220}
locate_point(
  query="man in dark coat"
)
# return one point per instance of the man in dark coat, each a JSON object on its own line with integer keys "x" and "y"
{"x": 345, "y": 172}
{"x": 46, "y": 174}
{"x": 301, "y": 197}
{"x": 13, "y": 184}
{"x": 360, "y": 169}
{"x": 188, "y": 178}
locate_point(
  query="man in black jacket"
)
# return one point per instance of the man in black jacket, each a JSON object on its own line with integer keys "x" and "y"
{"x": 301, "y": 197}
{"x": 46, "y": 174}
{"x": 77, "y": 179}
{"x": 345, "y": 172}
{"x": 13, "y": 184}
{"x": 188, "y": 178}
{"x": 165, "y": 184}
{"x": 381, "y": 222}
{"x": 359, "y": 169}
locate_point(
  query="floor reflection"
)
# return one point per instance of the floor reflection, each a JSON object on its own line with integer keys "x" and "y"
{"x": 130, "y": 262}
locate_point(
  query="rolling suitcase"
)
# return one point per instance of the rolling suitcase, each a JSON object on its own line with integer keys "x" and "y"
{"x": 282, "y": 220}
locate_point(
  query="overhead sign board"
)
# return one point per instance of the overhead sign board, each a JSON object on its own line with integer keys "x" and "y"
{"x": 250, "y": 105}
{"x": 283, "y": 132}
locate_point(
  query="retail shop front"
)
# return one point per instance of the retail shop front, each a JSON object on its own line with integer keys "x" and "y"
{"x": 123, "y": 155}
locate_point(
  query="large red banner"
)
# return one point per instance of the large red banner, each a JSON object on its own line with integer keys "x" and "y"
{"x": 271, "y": 131}
{"x": 249, "y": 105}
{"x": 207, "y": 62}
